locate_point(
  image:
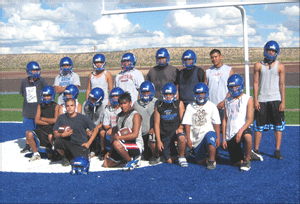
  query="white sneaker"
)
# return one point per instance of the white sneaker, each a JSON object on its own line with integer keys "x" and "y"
{"x": 182, "y": 162}
{"x": 35, "y": 157}
{"x": 256, "y": 156}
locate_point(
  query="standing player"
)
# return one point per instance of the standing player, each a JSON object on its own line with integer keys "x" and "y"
{"x": 269, "y": 79}
{"x": 145, "y": 107}
{"x": 110, "y": 118}
{"x": 188, "y": 77}
{"x": 30, "y": 89}
{"x": 167, "y": 125}
{"x": 100, "y": 78}
{"x": 130, "y": 78}
{"x": 66, "y": 77}
{"x": 162, "y": 73}
{"x": 202, "y": 127}
{"x": 130, "y": 145}
{"x": 46, "y": 115}
{"x": 238, "y": 116}
{"x": 73, "y": 142}
{"x": 94, "y": 109}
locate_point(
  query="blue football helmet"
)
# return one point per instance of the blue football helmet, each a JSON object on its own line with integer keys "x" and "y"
{"x": 66, "y": 61}
{"x": 147, "y": 86}
{"x": 115, "y": 92}
{"x": 189, "y": 54}
{"x": 33, "y": 66}
{"x": 235, "y": 80}
{"x": 99, "y": 58}
{"x": 198, "y": 90}
{"x": 71, "y": 89}
{"x": 80, "y": 166}
{"x": 128, "y": 57}
{"x": 47, "y": 90}
{"x": 169, "y": 88}
{"x": 271, "y": 45}
{"x": 98, "y": 94}
{"x": 162, "y": 53}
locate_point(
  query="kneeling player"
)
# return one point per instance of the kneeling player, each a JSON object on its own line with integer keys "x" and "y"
{"x": 202, "y": 126}
{"x": 46, "y": 115}
{"x": 238, "y": 116}
{"x": 129, "y": 145}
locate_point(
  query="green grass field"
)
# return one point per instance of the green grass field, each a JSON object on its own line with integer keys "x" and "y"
{"x": 11, "y": 101}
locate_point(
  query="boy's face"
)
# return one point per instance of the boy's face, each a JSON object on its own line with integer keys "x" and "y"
{"x": 125, "y": 105}
{"x": 66, "y": 66}
{"x": 47, "y": 97}
{"x": 67, "y": 95}
{"x": 169, "y": 96}
{"x": 216, "y": 59}
{"x": 271, "y": 52}
{"x": 70, "y": 106}
{"x": 201, "y": 95}
{"x": 162, "y": 60}
{"x": 146, "y": 93}
{"x": 189, "y": 61}
{"x": 126, "y": 63}
{"x": 99, "y": 64}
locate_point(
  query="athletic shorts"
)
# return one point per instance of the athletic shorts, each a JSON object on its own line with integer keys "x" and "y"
{"x": 169, "y": 144}
{"x": 29, "y": 124}
{"x": 131, "y": 147}
{"x": 201, "y": 150}
{"x": 269, "y": 117}
{"x": 71, "y": 150}
{"x": 41, "y": 138}
{"x": 236, "y": 153}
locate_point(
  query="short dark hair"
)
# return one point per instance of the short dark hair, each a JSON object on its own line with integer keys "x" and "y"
{"x": 125, "y": 96}
{"x": 215, "y": 51}
{"x": 71, "y": 99}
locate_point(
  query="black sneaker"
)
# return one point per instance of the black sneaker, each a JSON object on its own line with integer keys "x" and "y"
{"x": 154, "y": 160}
{"x": 255, "y": 155}
{"x": 65, "y": 162}
{"x": 26, "y": 149}
{"x": 278, "y": 155}
{"x": 245, "y": 166}
{"x": 102, "y": 154}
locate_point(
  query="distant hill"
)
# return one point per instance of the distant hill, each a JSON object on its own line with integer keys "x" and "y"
{"x": 145, "y": 57}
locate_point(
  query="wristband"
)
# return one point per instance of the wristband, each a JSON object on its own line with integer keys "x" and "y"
{"x": 241, "y": 130}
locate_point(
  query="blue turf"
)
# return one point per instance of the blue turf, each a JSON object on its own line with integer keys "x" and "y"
{"x": 267, "y": 181}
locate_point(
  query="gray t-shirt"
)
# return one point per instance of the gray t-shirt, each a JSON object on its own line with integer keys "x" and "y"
{"x": 110, "y": 116}
{"x": 159, "y": 76}
{"x": 146, "y": 110}
{"x": 65, "y": 80}
{"x": 31, "y": 94}
{"x": 79, "y": 124}
{"x": 93, "y": 113}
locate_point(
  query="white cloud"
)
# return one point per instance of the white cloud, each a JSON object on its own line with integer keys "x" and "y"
{"x": 284, "y": 36}
{"x": 291, "y": 11}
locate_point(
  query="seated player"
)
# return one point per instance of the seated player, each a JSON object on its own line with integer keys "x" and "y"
{"x": 110, "y": 118}
{"x": 46, "y": 115}
{"x": 167, "y": 125}
{"x": 126, "y": 147}
{"x": 202, "y": 127}
{"x": 238, "y": 116}
{"x": 94, "y": 110}
{"x": 145, "y": 107}
{"x": 73, "y": 142}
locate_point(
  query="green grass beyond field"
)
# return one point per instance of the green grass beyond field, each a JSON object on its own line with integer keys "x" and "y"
{"x": 15, "y": 101}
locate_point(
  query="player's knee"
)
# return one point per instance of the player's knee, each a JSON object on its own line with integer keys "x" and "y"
{"x": 116, "y": 144}
{"x": 29, "y": 135}
{"x": 181, "y": 139}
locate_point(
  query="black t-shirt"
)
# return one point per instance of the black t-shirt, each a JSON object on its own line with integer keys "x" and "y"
{"x": 187, "y": 79}
{"x": 79, "y": 124}
{"x": 47, "y": 111}
{"x": 169, "y": 117}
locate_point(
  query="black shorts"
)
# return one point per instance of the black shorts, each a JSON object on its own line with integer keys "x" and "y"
{"x": 269, "y": 117}
{"x": 71, "y": 150}
{"x": 236, "y": 153}
{"x": 131, "y": 147}
{"x": 41, "y": 138}
{"x": 169, "y": 144}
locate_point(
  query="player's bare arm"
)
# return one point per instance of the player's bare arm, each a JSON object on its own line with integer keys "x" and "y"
{"x": 59, "y": 89}
{"x": 249, "y": 120}
{"x": 88, "y": 89}
{"x": 37, "y": 118}
{"x": 257, "y": 69}
{"x": 137, "y": 121}
{"x": 188, "y": 136}
{"x": 217, "y": 130}
{"x": 92, "y": 138}
{"x": 66, "y": 133}
{"x": 281, "y": 70}
{"x": 181, "y": 113}
{"x": 224, "y": 122}
{"x": 51, "y": 120}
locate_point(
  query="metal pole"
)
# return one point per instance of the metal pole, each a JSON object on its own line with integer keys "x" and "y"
{"x": 246, "y": 53}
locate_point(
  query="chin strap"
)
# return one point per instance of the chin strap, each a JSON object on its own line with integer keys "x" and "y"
{"x": 266, "y": 60}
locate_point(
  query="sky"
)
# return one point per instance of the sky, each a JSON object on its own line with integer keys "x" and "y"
{"x": 55, "y": 26}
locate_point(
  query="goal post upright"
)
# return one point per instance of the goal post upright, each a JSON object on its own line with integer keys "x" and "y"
{"x": 238, "y": 5}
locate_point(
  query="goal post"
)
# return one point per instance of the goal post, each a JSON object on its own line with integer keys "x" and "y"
{"x": 184, "y": 6}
